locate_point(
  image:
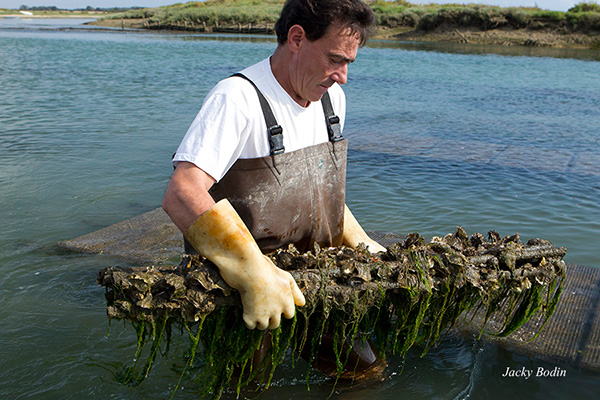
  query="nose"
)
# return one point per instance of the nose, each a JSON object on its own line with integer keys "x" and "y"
{"x": 340, "y": 75}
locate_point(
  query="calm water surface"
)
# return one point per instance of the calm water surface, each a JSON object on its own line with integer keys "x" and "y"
{"x": 440, "y": 136}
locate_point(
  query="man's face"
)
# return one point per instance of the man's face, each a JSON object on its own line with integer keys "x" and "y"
{"x": 319, "y": 64}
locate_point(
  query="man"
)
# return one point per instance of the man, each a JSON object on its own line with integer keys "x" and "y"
{"x": 254, "y": 174}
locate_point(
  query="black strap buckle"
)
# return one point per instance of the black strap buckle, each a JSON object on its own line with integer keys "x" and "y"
{"x": 275, "y": 130}
{"x": 334, "y": 128}
{"x": 276, "y": 140}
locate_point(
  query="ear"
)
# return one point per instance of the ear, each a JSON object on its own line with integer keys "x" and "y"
{"x": 296, "y": 35}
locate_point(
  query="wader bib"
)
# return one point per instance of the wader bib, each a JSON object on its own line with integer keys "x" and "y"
{"x": 296, "y": 197}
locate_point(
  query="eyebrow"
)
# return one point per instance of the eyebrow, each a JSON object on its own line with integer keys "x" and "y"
{"x": 346, "y": 59}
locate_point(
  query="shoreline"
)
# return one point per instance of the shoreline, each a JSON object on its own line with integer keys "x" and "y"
{"x": 504, "y": 37}
{"x": 37, "y": 16}
{"x": 447, "y": 34}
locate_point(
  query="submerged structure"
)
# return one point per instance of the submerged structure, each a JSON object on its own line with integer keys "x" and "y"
{"x": 410, "y": 294}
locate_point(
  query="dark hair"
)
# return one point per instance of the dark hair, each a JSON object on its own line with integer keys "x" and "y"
{"x": 315, "y": 16}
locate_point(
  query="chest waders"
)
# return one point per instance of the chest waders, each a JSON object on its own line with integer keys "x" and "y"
{"x": 297, "y": 197}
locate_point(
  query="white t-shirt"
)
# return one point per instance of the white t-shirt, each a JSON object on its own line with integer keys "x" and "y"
{"x": 231, "y": 125}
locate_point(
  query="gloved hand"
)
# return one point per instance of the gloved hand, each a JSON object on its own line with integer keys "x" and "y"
{"x": 354, "y": 234}
{"x": 267, "y": 291}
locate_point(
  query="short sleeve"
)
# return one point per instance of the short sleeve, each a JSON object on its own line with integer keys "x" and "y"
{"x": 217, "y": 135}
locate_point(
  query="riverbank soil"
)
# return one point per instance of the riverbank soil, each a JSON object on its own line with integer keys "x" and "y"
{"x": 504, "y": 37}
{"x": 133, "y": 23}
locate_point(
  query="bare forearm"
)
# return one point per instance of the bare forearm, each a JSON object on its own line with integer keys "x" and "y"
{"x": 187, "y": 197}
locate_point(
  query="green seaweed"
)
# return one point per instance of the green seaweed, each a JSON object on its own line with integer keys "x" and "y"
{"x": 412, "y": 294}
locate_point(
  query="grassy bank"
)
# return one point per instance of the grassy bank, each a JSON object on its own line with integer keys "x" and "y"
{"x": 583, "y": 18}
{"x": 473, "y": 23}
{"x": 399, "y": 19}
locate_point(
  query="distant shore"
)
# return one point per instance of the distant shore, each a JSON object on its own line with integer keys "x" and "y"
{"x": 502, "y": 37}
{"x": 448, "y": 34}
{"x": 399, "y": 20}
{"x": 34, "y": 16}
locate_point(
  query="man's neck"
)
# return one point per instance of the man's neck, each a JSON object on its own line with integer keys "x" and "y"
{"x": 280, "y": 62}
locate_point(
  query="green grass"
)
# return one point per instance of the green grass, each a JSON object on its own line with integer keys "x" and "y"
{"x": 211, "y": 12}
{"x": 585, "y": 7}
{"x": 584, "y": 17}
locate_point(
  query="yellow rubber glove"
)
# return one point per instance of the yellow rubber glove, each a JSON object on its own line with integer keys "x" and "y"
{"x": 267, "y": 291}
{"x": 354, "y": 234}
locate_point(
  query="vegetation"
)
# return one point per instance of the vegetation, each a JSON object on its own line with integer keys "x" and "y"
{"x": 584, "y": 17}
{"x": 585, "y": 7}
{"x": 486, "y": 18}
{"x": 464, "y": 23}
{"x": 210, "y": 12}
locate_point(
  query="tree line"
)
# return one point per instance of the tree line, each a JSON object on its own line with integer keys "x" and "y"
{"x": 88, "y": 8}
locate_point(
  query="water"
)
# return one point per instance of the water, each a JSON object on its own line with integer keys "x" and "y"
{"x": 440, "y": 136}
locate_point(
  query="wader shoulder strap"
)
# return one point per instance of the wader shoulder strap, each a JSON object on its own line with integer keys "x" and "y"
{"x": 334, "y": 128}
{"x": 275, "y": 131}
{"x": 333, "y": 121}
